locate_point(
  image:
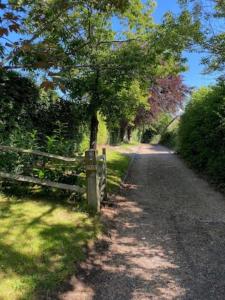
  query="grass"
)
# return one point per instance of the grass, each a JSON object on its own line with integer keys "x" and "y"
{"x": 129, "y": 144}
{"x": 40, "y": 243}
{"x": 117, "y": 164}
{"x": 42, "y": 237}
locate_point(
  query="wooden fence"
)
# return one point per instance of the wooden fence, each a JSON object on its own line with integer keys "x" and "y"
{"x": 96, "y": 184}
{"x": 96, "y": 173}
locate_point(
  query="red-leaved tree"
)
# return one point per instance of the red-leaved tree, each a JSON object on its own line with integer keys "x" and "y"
{"x": 166, "y": 95}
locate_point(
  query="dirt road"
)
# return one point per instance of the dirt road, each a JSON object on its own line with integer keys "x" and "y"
{"x": 167, "y": 237}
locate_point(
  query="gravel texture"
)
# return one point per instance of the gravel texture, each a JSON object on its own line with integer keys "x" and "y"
{"x": 166, "y": 237}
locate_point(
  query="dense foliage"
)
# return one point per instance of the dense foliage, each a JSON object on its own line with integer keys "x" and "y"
{"x": 25, "y": 107}
{"x": 32, "y": 118}
{"x": 96, "y": 66}
{"x": 166, "y": 96}
{"x": 169, "y": 137}
{"x": 97, "y": 69}
{"x": 18, "y": 102}
{"x": 165, "y": 101}
{"x": 202, "y": 131}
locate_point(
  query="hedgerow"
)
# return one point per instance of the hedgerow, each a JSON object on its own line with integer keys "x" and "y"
{"x": 201, "y": 135}
{"x": 169, "y": 138}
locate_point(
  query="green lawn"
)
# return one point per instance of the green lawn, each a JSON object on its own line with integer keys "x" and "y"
{"x": 117, "y": 165}
{"x": 40, "y": 242}
{"x": 42, "y": 237}
{"x": 128, "y": 145}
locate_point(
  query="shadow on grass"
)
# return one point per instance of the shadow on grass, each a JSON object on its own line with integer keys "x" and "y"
{"x": 42, "y": 238}
{"x": 24, "y": 190}
{"x": 40, "y": 244}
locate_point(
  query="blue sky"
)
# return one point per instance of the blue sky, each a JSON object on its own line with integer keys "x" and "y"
{"x": 193, "y": 77}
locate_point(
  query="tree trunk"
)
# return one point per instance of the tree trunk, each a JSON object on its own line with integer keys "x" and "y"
{"x": 122, "y": 133}
{"x": 94, "y": 131}
{"x": 129, "y": 129}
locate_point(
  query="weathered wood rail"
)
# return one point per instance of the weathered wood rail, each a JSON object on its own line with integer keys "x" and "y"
{"x": 29, "y": 179}
{"x": 96, "y": 173}
{"x": 40, "y": 153}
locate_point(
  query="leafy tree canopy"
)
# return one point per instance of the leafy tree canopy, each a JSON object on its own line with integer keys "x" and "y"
{"x": 75, "y": 45}
{"x": 166, "y": 97}
{"x": 211, "y": 15}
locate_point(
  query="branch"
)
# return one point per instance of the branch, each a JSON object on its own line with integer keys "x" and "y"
{"x": 36, "y": 67}
{"x": 117, "y": 41}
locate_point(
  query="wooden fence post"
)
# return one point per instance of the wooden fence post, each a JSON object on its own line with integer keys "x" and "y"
{"x": 93, "y": 196}
{"x": 105, "y": 174}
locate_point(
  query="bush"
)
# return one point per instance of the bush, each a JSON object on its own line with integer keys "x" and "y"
{"x": 169, "y": 135}
{"x": 15, "y": 162}
{"x": 169, "y": 138}
{"x": 25, "y": 107}
{"x": 38, "y": 166}
{"x": 201, "y": 136}
{"x": 18, "y": 102}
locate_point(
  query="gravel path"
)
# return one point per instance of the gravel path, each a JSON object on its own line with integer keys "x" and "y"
{"x": 166, "y": 238}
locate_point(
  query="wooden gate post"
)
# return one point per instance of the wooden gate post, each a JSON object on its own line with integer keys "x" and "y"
{"x": 93, "y": 196}
{"x": 105, "y": 174}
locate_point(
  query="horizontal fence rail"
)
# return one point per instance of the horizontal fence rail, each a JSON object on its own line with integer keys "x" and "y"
{"x": 40, "y": 153}
{"x": 96, "y": 174}
{"x": 42, "y": 182}
{"x": 37, "y": 181}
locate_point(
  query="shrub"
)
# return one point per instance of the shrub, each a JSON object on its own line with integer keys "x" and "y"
{"x": 18, "y": 102}
{"x": 25, "y": 107}
{"x": 169, "y": 138}
{"x": 11, "y": 161}
{"x": 201, "y": 136}
{"x": 169, "y": 134}
{"x": 38, "y": 166}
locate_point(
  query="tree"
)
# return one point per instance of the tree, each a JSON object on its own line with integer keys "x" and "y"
{"x": 128, "y": 100}
{"x": 14, "y": 19}
{"x": 166, "y": 96}
{"x": 88, "y": 56}
{"x": 211, "y": 14}
{"x": 89, "y": 60}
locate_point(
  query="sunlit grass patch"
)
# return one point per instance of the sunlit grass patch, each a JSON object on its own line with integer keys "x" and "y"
{"x": 117, "y": 164}
{"x": 40, "y": 243}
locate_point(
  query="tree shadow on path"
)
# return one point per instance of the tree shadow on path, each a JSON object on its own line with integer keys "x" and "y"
{"x": 164, "y": 240}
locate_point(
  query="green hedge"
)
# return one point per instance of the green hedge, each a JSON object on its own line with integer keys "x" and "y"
{"x": 170, "y": 135}
{"x": 169, "y": 138}
{"x": 201, "y": 135}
